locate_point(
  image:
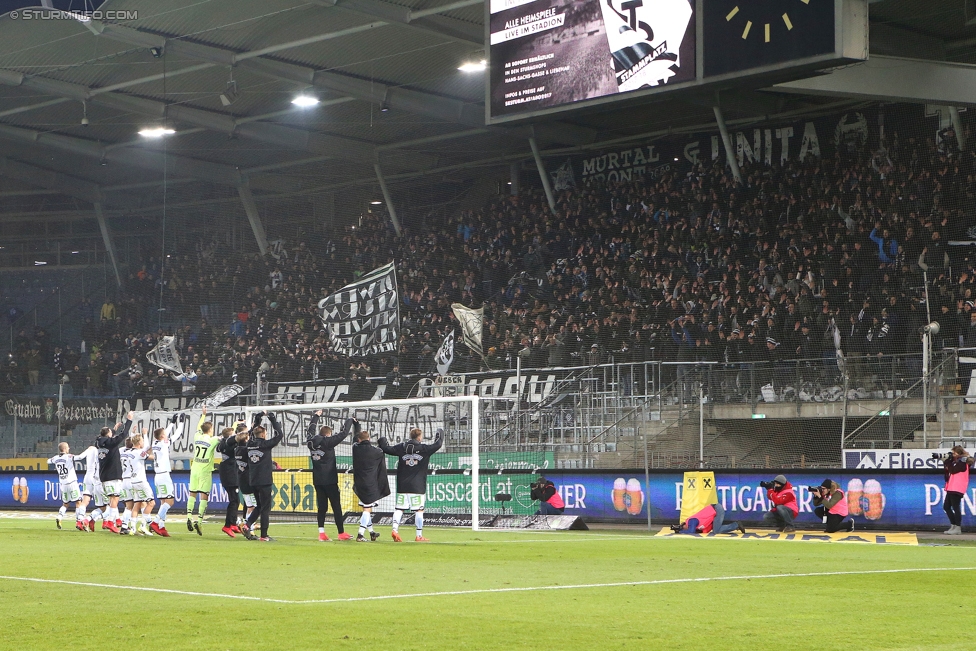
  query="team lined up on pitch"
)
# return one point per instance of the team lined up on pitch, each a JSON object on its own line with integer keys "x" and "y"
{"x": 116, "y": 475}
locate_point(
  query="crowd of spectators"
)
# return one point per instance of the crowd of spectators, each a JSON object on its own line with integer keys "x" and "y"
{"x": 796, "y": 260}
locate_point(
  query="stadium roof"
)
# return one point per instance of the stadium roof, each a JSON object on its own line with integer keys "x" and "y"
{"x": 385, "y": 73}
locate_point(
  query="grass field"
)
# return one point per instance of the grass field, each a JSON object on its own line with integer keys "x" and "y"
{"x": 616, "y": 590}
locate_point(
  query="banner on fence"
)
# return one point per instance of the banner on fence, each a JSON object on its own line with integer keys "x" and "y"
{"x": 73, "y": 411}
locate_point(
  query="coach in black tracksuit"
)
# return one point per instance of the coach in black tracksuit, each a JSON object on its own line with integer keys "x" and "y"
{"x": 260, "y": 467}
{"x": 228, "y": 478}
{"x": 325, "y": 475}
{"x": 370, "y": 482}
{"x": 110, "y": 469}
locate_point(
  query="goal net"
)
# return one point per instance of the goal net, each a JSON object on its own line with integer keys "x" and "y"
{"x": 455, "y": 469}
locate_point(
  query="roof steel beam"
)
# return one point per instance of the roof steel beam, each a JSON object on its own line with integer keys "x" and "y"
{"x": 180, "y": 166}
{"x": 277, "y": 134}
{"x": 449, "y": 109}
{"x": 427, "y": 20}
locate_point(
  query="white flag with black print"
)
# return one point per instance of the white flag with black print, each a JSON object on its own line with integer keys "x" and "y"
{"x": 471, "y": 325}
{"x": 363, "y": 318}
{"x": 164, "y": 355}
{"x": 221, "y": 395}
{"x": 445, "y": 354}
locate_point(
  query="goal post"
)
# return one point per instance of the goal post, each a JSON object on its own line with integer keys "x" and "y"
{"x": 455, "y": 490}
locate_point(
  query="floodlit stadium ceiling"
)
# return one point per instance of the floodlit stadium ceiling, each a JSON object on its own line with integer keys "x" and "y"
{"x": 223, "y": 75}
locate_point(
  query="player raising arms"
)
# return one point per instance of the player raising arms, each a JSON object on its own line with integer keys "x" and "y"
{"x": 201, "y": 472}
{"x": 414, "y": 457}
{"x": 91, "y": 487}
{"x": 64, "y": 464}
{"x": 369, "y": 481}
{"x": 110, "y": 469}
{"x": 325, "y": 475}
{"x": 128, "y": 457}
{"x": 143, "y": 499}
{"x": 260, "y": 467}
{"x": 162, "y": 467}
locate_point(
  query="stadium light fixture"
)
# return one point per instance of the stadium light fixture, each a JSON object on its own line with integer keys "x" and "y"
{"x": 376, "y": 202}
{"x": 305, "y": 101}
{"x": 39, "y": 263}
{"x": 474, "y": 66}
{"x": 156, "y": 132}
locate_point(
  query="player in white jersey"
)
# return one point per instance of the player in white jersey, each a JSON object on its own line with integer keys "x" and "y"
{"x": 128, "y": 458}
{"x": 91, "y": 487}
{"x": 162, "y": 467}
{"x": 142, "y": 494}
{"x": 64, "y": 464}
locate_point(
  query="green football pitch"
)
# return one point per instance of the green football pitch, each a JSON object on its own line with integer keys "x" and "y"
{"x": 485, "y": 590}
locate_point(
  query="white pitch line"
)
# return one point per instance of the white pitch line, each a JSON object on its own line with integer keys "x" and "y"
{"x": 446, "y": 593}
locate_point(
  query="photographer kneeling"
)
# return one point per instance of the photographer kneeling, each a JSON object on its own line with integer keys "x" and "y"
{"x": 830, "y": 505}
{"x": 784, "y": 508}
{"x": 545, "y": 491}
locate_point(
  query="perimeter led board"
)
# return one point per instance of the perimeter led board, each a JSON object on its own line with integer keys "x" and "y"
{"x": 547, "y": 56}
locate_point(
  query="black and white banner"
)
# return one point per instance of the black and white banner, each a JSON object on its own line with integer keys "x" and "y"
{"x": 221, "y": 395}
{"x": 363, "y": 318}
{"x": 472, "y": 323}
{"x": 445, "y": 354}
{"x": 164, "y": 355}
{"x": 73, "y": 411}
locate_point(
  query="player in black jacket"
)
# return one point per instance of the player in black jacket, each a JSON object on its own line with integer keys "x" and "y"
{"x": 110, "y": 469}
{"x": 370, "y": 482}
{"x": 414, "y": 457}
{"x": 228, "y": 478}
{"x": 259, "y": 469}
{"x": 244, "y": 486}
{"x": 325, "y": 475}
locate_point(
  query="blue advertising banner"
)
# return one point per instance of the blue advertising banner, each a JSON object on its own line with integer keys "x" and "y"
{"x": 877, "y": 499}
{"x": 42, "y": 490}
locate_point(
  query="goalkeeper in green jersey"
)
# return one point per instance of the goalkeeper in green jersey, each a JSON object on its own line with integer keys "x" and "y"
{"x": 201, "y": 472}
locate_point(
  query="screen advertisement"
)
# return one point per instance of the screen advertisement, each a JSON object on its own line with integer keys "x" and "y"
{"x": 548, "y": 53}
{"x": 876, "y": 499}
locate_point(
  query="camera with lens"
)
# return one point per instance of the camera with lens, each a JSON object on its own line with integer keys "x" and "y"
{"x": 766, "y": 484}
{"x": 942, "y": 456}
{"x": 814, "y": 489}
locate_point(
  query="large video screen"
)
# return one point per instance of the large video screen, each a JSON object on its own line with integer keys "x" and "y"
{"x": 550, "y": 53}
{"x": 549, "y": 56}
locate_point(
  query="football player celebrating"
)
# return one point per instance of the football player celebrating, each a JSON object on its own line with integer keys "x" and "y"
{"x": 91, "y": 488}
{"x": 143, "y": 499}
{"x": 325, "y": 474}
{"x": 414, "y": 457}
{"x": 370, "y": 482}
{"x": 201, "y": 472}
{"x": 162, "y": 467}
{"x": 110, "y": 469}
{"x": 64, "y": 464}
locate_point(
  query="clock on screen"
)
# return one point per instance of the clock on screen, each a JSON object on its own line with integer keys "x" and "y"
{"x": 743, "y": 34}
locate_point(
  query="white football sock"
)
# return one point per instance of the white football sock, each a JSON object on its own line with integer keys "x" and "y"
{"x": 62, "y": 511}
{"x": 397, "y": 517}
{"x": 163, "y": 510}
{"x": 419, "y": 520}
